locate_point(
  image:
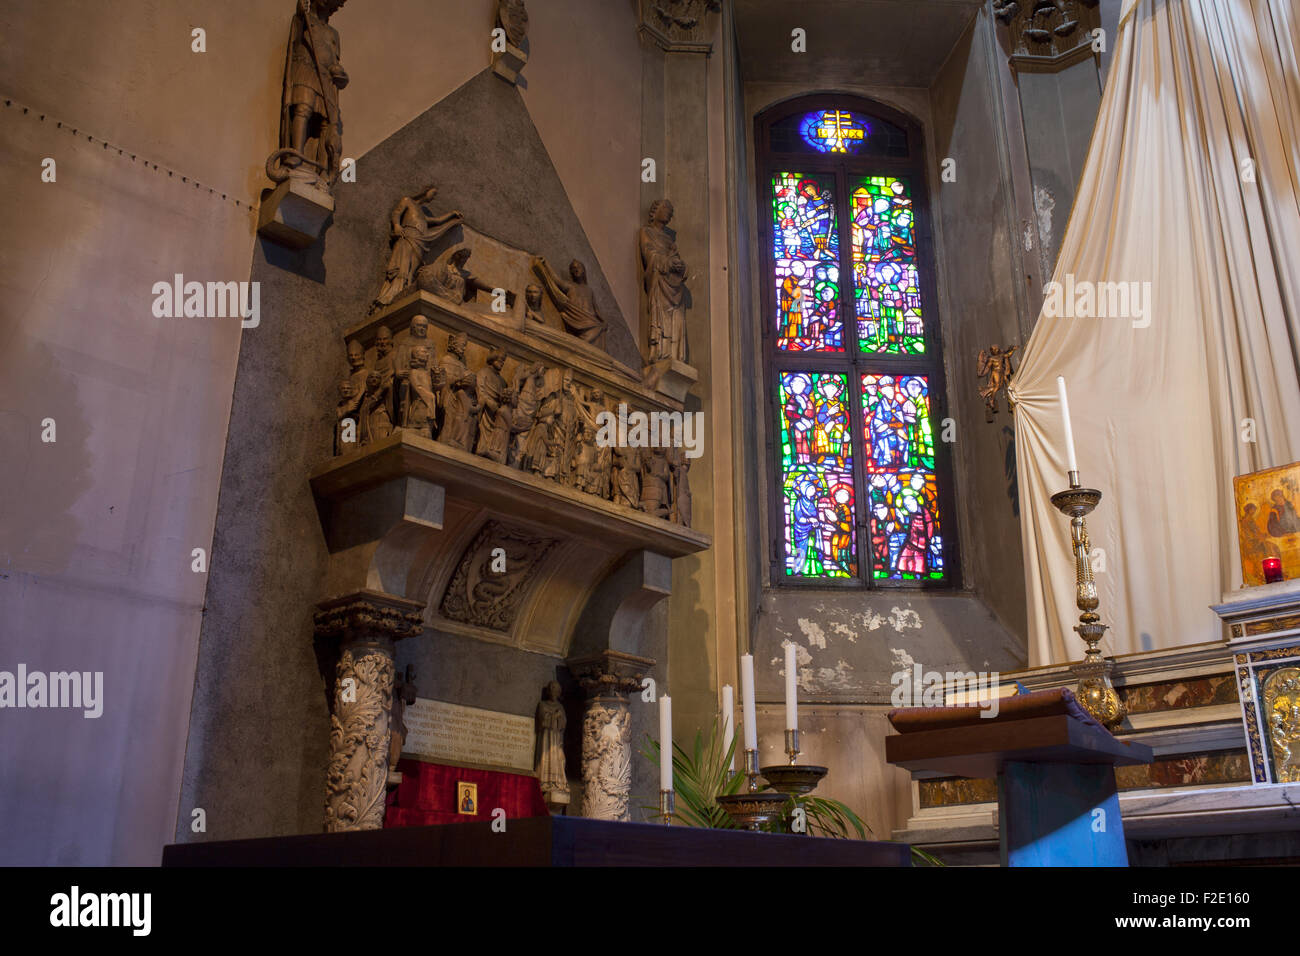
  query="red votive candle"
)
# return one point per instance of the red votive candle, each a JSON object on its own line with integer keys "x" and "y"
{"x": 1272, "y": 570}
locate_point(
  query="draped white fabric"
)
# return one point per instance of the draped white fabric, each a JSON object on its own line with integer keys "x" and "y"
{"x": 1190, "y": 185}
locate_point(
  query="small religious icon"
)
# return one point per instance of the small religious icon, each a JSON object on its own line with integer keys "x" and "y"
{"x": 995, "y": 364}
{"x": 467, "y": 798}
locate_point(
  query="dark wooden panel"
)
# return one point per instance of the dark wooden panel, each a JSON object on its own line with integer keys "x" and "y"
{"x": 541, "y": 841}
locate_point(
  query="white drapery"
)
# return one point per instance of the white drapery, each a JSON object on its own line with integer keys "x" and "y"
{"x": 1190, "y": 185}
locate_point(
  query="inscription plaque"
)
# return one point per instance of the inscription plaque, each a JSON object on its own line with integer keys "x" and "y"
{"x": 452, "y": 734}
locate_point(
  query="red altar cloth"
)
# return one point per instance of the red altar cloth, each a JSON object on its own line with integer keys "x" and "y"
{"x": 427, "y": 795}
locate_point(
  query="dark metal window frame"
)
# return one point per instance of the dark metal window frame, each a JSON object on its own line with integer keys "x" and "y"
{"x": 853, "y": 362}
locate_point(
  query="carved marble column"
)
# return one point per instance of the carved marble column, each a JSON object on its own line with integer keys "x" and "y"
{"x": 364, "y": 626}
{"x": 608, "y": 678}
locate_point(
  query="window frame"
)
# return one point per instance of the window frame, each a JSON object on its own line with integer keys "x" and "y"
{"x": 853, "y": 362}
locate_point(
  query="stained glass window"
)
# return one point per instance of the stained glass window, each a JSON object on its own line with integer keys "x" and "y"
{"x": 817, "y": 475}
{"x": 886, "y": 289}
{"x": 902, "y": 488}
{"x": 853, "y": 350}
{"x": 806, "y": 249}
{"x": 834, "y": 131}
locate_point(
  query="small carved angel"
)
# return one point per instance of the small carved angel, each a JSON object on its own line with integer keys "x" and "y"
{"x": 996, "y": 365}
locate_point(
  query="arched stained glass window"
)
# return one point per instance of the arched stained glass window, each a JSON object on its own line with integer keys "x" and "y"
{"x": 861, "y": 491}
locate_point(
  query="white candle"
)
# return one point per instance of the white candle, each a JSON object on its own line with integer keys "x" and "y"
{"x": 665, "y": 743}
{"x": 791, "y": 688}
{"x": 747, "y": 701}
{"x": 728, "y": 721}
{"x": 1065, "y": 415}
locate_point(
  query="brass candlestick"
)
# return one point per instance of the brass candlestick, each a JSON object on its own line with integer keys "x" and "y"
{"x": 751, "y": 770}
{"x": 667, "y": 804}
{"x": 1095, "y": 691}
{"x": 792, "y": 745}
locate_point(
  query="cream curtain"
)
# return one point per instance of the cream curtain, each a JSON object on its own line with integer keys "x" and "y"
{"x": 1190, "y": 185}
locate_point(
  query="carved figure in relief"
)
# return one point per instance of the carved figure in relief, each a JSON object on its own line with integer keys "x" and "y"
{"x": 347, "y": 409}
{"x": 449, "y": 279}
{"x": 533, "y": 303}
{"x": 553, "y": 465}
{"x": 655, "y": 479}
{"x": 557, "y": 419}
{"x": 458, "y": 398}
{"x": 375, "y": 423}
{"x": 417, "y": 336}
{"x": 412, "y": 229}
{"x": 497, "y": 414}
{"x": 680, "y": 465}
{"x": 583, "y": 465}
{"x": 421, "y": 407}
{"x": 384, "y": 365}
{"x": 665, "y": 285}
{"x": 625, "y": 476}
{"x": 575, "y": 301}
{"x": 311, "y": 130}
{"x": 528, "y": 397}
{"x": 357, "y": 366}
{"x": 549, "y": 762}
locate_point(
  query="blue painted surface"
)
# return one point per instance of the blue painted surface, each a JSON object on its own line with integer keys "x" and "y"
{"x": 1047, "y": 815}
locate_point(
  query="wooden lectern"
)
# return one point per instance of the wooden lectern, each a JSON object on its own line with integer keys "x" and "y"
{"x": 1057, "y": 800}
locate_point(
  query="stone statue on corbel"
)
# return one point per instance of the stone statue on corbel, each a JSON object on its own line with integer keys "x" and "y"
{"x": 404, "y": 692}
{"x": 664, "y": 281}
{"x": 549, "y": 762}
{"x": 306, "y": 165}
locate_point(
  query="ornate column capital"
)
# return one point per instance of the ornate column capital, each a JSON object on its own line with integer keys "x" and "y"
{"x": 610, "y": 674}
{"x": 368, "y": 617}
{"x": 678, "y": 26}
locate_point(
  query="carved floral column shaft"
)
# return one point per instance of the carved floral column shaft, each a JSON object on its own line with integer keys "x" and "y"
{"x": 365, "y": 626}
{"x": 607, "y": 680}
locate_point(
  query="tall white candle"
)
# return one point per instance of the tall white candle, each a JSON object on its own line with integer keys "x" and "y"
{"x": 747, "y": 701}
{"x": 665, "y": 743}
{"x": 728, "y": 721}
{"x": 791, "y": 687}
{"x": 1065, "y": 415}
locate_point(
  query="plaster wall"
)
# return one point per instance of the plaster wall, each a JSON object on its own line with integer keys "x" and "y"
{"x": 98, "y": 527}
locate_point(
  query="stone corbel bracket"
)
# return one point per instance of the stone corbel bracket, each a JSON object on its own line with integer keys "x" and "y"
{"x": 294, "y": 214}
{"x": 375, "y": 532}
{"x": 414, "y": 517}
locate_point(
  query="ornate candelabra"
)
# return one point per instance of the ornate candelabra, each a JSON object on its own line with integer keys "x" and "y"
{"x": 1095, "y": 691}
